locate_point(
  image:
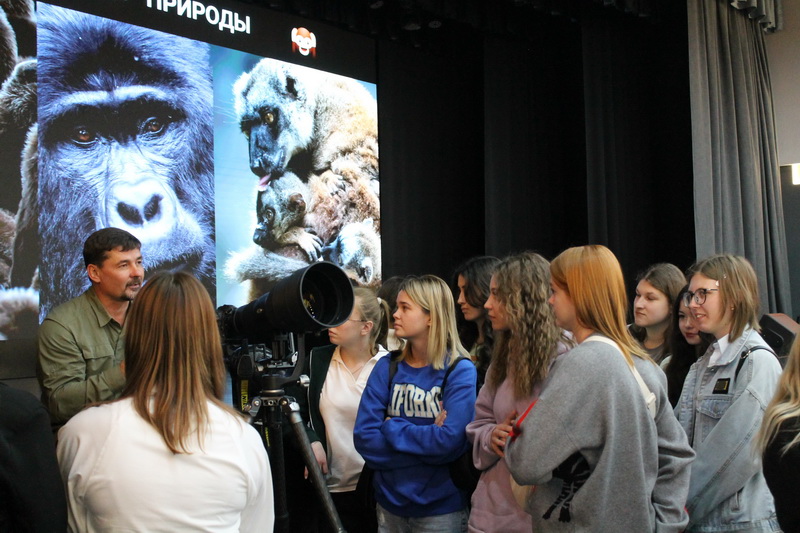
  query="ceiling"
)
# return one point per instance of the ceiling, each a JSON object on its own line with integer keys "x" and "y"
{"x": 418, "y": 23}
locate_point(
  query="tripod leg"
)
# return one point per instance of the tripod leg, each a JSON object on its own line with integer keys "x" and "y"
{"x": 291, "y": 410}
{"x": 274, "y": 443}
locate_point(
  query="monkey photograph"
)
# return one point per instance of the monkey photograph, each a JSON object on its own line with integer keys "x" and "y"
{"x": 125, "y": 139}
{"x": 299, "y": 148}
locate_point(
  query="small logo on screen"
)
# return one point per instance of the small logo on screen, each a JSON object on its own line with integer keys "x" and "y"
{"x": 304, "y": 41}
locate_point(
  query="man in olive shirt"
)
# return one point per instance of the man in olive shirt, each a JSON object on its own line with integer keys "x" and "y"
{"x": 81, "y": 347}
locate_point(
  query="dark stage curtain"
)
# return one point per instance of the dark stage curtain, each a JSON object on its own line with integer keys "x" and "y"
{"x": 430, "y": 121}
{"x": 736, "y": 179}
{"x": 638, "y": 144}
{"x": 534, "y": 145}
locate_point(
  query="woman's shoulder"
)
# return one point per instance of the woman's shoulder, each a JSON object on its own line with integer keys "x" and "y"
{"x": 97, "y": 419}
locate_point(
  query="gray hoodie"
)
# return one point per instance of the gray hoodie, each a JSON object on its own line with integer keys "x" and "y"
{"x": 599, "y": 461}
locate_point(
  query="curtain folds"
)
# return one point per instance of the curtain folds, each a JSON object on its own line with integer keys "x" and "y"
{"x": 768, "y": 13}
{"x": 737, "y": 190}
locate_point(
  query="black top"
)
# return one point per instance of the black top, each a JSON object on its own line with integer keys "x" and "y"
{"x": 31, "y": 491}
{"x": 782, "y": 473}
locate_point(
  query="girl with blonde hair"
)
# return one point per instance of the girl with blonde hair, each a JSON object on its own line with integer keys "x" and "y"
{"x": 408, "y": 428}
{"x": 169, "y": 455}
{"x": 722, "y": 402}
{"x": 527, "y": 340}
{"x": 778, "y": 442}
{"x": 601, "y": 443}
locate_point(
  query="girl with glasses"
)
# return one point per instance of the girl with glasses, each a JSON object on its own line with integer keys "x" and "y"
{"x": 723, "y": 400}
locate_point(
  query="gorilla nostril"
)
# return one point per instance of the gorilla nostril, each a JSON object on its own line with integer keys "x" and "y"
{"x": 130, "y": 214}
{"x": 153, "y": 207}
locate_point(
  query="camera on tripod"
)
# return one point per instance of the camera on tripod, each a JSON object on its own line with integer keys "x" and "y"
{"x": 263, "y": 340}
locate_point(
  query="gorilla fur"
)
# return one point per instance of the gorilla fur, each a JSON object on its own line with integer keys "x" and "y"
{"x": 17, "y": 116}
{"x": 27, "y": 245}
{"x": 19, "y": 309}
{"x": 125, "y": 140}
{"x": 8, "y": 47}
{"x": 322, "y": 128}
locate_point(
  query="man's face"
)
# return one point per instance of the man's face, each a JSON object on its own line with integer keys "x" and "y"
{"x": 120, "y": 276}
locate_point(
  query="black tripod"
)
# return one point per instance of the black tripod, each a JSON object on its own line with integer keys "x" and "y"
{"x": 265, "y": 410}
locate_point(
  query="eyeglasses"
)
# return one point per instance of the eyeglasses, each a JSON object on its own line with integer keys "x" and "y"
{"x": 356, "y": 320}
{"x": 699, "y": 296}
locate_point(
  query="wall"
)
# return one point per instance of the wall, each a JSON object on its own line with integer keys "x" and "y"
{"x": 782, "y": 49}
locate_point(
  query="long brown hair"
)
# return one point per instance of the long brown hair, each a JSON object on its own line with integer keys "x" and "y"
{"x": 173, "y": 358}
{"x": 667, "y": 279}
{"x": 592, "y": 278}
{"x": 526, "y": 349}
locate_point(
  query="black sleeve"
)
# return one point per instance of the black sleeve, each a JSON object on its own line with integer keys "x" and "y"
{"x": 782, "y": 473}
{"x": 31, "y": 491}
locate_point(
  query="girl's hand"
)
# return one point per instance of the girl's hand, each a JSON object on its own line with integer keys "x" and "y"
{"x": 500, "y": 434}
{"x": 320, "y": 456}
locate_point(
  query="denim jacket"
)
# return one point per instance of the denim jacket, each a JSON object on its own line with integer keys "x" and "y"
{"x": 721, "y": 414}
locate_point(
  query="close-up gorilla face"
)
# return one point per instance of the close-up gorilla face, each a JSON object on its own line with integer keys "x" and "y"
{"x": 125, "y": 140}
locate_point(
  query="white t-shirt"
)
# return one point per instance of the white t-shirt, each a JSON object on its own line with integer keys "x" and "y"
{"x": 120, "y": 476}
{"x": 338, "y": 406}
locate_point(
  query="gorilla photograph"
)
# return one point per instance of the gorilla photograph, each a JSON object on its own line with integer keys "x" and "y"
{"x": 296, "y": 154}
{"x": 125, "y": 139}
{"x": 238, "y": 168}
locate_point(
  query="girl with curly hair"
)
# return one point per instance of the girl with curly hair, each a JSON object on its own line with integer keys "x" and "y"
{"x": 527, "y": 340}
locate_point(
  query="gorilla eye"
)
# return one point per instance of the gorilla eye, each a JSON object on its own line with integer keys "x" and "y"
{"x": 154, "y": 125}
{"x": 83, "y": 135}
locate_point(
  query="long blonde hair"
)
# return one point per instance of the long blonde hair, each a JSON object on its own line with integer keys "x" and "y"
{"x": 433, "y": 295}
{"x": 592, "y": 278}
{"x": 526, "y": 349}
{"x": 785, "y": 405}
{"x": 173, "y": 358}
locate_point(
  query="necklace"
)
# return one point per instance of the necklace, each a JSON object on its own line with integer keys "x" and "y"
{"x": 355, "y": 371}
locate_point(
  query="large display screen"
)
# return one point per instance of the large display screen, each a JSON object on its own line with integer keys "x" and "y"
{"x": 235, "y": 142}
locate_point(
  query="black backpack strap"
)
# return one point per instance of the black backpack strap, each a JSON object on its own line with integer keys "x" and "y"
{"x": 450, "y": 369}
{"x": 393, "y": 362}
{"x": 745, "y": 354}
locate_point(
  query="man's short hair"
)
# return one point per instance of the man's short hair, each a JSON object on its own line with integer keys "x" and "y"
{"x": 99, "y": 243}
